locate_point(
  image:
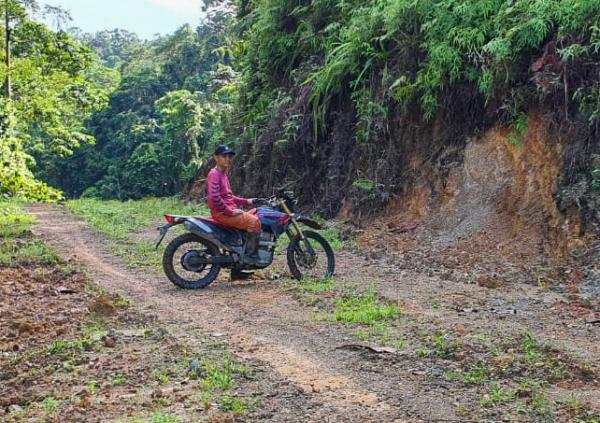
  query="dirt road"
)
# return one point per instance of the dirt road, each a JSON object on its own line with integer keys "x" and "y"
{"x": 264, "y": 321}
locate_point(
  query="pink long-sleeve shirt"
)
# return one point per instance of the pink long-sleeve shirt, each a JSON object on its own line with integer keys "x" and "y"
{"x": 220, "y": 197}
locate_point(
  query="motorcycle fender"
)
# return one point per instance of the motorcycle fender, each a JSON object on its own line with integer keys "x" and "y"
{"x": 199, "y": 228}
{"x": 308, "y": 222}
{"x": 162, "y": 231}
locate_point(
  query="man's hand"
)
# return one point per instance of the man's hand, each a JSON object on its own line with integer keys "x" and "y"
{"x": 258, "y": 201}
{"x": 237, "y": 212}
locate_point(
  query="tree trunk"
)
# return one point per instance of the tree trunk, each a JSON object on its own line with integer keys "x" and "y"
{"x": 7, "y": 82}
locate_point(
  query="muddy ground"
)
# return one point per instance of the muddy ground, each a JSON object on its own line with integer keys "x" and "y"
{"x": 462, "y": 349}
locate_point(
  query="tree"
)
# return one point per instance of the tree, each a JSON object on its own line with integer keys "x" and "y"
{"x": 50, "y": 89}
{"x": 14, "y": 12}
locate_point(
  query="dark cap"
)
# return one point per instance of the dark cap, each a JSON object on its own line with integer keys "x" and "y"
{"x": 223, "y": 150}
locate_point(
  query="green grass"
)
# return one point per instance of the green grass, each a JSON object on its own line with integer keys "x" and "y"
{"x": 18, "y": 246}
{"x": 27, "y": 250}
{"x": 477, "y": 373}
{"x": 315, "y": 285}
{"x": 61, "y": 346}
{"x": 163, "y": 418}
{"x": 332, "y": 236}
{"x": 219, "y": 374}
{"x": 161, "y": 376}
{"x": 117, "y": 219}
{"x": 50, "y": 405}
{"x": 496, "y": 395}
{"x": 154, "y": 418}
{"x": 364, "y": 308}
{"x": 237, "y": 405}
{"x": 13, "y": 220}
{"x": 137, "y": 253}
{"x": 117, "y": 379}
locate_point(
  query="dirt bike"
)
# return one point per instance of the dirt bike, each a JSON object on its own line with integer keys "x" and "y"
{"x": 194, "y": 259}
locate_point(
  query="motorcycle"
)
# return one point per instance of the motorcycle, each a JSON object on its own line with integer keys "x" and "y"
{"x": 194, "y": 259}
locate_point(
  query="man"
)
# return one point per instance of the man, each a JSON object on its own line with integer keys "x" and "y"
{"x": 224, "y": 205}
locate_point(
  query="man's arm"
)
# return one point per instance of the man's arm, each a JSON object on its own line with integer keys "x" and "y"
{"x": 239, "y": 201}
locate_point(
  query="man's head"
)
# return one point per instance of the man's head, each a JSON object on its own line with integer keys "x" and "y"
{"x": 224, "y": 156}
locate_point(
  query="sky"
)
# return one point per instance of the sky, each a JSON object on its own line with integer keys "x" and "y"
{"x": 144, "y": 17}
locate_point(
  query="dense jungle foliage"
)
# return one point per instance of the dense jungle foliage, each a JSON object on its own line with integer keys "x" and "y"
{"x": 326, "y": 94}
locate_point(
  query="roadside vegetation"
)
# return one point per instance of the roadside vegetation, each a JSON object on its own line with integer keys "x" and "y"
{"x": 19, "y": 246}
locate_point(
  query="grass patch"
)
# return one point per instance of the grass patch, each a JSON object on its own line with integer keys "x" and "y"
{"x": 13, "y": 221}
{"x": 332, "y": 236}
{"x": 50, "y": 405}
{"x": 438, "y": 344}
{"x": 117, "y": 219}
{"x": 218, "y": 375}
{"x": 137, "y": 253}
{"x": 477, "y": 373}
{"x": 364, "y": 308}
{"x": 496, "y": 395}
{"x": 18, "y": 246}
{"x": 154, "y": 418}
{"x": 315, "y": 285}
{"x": 61, "y": 346}
{"x": 237, "y": 405}
{"x": 27, "y": 250}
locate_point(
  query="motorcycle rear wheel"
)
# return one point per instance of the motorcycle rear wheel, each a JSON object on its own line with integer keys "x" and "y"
{"x": 320, "y": 266}
{"x": 174, "y": 262}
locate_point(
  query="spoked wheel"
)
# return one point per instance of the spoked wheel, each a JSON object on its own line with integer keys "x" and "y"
{"x": 182, "y": 262}
{"x": 312, "y": 257}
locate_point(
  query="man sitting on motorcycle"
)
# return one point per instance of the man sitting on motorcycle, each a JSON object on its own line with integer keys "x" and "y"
{"x": 224, "y": 205}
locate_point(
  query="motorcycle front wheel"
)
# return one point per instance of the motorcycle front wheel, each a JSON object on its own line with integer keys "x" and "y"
{"x": 180, "y": 262}
{"x": 310, "y": 258}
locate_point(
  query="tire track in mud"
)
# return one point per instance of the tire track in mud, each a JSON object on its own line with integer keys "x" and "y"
{"x": 260, "y": 321}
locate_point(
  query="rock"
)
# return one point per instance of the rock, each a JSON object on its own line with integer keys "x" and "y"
{"x": 15, "y": 408}
{"x": 194, "y": 366}
{"x": 459, "y": 329}
{"x": 157, "y": 393}
{"x": 109, "y": 342}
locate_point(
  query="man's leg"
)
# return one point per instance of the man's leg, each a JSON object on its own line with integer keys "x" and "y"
{"x": 246, "y": 222}
{"x": 251, "y": 225}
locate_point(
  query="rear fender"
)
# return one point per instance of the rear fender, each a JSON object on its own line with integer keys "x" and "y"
{"x": 202, "y": 230}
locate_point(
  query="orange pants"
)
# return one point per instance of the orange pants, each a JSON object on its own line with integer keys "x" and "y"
{"x": 246, "y": 222}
